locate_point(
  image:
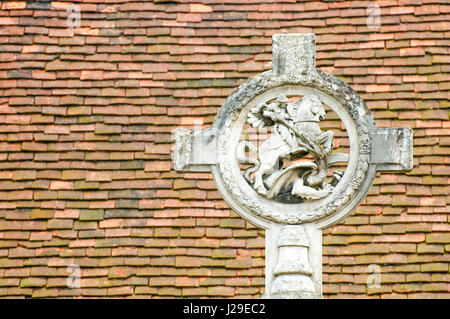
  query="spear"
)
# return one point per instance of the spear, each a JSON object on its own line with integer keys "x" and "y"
{"x": 311, "y": 147}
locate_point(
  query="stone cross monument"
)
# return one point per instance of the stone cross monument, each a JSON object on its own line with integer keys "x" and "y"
{"x": 292, "y": 184}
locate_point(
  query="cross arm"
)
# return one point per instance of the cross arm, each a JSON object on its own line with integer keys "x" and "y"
{"x": 194, "y": 150}
{"x": 392, "y": 149}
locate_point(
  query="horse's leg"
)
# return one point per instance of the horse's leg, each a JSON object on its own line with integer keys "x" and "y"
{"x": 328, "y": 137}
{"x": 268, "y": 162}
{"x": 268, "y": 154}
{"x": 262, "y": 150}
{"x": 259, "y": 185}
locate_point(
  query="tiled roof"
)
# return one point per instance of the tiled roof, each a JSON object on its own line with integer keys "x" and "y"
{"x": 86, "y": 115}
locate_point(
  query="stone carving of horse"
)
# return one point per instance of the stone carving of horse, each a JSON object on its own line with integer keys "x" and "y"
{"x": 305, "y": 116}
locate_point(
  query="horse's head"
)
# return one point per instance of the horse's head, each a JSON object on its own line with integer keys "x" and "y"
{"x": 308, "y": 109}
{"x": 317, "y": 107}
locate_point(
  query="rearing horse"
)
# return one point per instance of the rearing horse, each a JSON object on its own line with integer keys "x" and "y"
{"x": 305, "y": 116}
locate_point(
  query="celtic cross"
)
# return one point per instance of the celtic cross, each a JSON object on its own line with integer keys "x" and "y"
{"x": 293, "y": 183}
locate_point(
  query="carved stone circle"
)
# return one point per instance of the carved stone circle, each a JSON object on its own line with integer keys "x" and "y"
{"x": 265, "y": 87}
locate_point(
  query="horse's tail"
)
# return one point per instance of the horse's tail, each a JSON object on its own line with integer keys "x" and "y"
{"x": 242, "y": 158}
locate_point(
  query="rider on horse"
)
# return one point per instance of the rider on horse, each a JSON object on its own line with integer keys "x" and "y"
{"x": 278, "y": 113}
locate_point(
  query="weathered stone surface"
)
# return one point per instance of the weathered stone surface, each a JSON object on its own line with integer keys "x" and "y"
{"x": 294, "y": 53}
{"x": 195, "y": 150}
